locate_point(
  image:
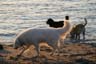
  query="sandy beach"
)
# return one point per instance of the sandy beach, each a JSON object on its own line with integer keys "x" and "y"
{"x": 71, "y": 53}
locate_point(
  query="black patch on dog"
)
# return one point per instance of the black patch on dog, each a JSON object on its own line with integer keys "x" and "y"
{"x": 54, "y": 24}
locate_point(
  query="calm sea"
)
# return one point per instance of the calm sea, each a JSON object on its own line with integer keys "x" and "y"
{"x": 17, "y": 15}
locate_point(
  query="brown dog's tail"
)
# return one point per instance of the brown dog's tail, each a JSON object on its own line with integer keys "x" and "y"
{"x": 85, "y": 21}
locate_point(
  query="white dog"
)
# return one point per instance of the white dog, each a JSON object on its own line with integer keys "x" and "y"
{"x": 52, "y": 37}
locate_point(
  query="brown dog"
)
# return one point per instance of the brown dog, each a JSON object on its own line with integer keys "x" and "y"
{"x": 77, "y": 30}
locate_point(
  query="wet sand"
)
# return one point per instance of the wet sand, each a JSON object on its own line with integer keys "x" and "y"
{"x": 70, "y": 53}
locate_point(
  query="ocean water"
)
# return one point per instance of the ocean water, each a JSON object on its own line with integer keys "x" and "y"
{"x": 18, "y": 15}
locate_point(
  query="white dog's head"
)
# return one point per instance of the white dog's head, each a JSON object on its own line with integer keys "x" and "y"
{"x": 17, "y": 44}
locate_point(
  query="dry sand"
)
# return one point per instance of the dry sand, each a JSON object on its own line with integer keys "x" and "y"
{"x": 73, "y": 53}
